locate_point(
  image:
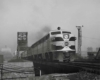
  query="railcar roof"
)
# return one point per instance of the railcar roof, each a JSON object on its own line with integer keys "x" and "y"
{"x": 50, "y": 33}
{"x": 59, "y": 30}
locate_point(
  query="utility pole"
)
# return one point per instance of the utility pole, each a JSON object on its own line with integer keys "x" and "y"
{"x": 1, "y": 71}
{"x": 1, "y": 66}
{"x": 79, "y": 38}
{"x": 17, "y": 52}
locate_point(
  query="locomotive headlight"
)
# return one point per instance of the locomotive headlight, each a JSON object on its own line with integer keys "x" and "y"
{"x": 66, "y": 36}
{"x": 66, "y": 43}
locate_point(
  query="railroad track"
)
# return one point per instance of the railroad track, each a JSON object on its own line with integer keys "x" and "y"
{"x": 84, "y": 66}
{"x": 89, "y": 67}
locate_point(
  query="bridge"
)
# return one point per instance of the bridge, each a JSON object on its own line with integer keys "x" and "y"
{"x": 47, "y": 67}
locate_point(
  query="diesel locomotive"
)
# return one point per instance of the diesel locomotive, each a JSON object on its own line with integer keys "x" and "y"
{"x": 57, "y": 45}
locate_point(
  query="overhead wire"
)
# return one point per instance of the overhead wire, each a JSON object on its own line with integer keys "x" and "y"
{"x": 93, "y": 40}
{"x": 90, "y": 38}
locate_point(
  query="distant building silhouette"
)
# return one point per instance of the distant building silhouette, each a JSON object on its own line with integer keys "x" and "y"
{"x": 89, "y": 49}
{"x": 97, "y": 49}
{"x": 90, "y": 53}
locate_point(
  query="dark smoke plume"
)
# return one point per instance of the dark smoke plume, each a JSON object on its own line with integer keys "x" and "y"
{"x": 43, "y": 32}
{"x": 34, "y": 37}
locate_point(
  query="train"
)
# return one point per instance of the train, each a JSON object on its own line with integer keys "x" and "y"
{"x": 58, "y": 45}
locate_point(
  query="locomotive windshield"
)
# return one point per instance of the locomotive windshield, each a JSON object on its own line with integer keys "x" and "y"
{"x": 54, "y": 33}
{"x": 66, "y": 32}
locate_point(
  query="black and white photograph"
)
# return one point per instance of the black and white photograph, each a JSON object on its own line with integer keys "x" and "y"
{"x": 49, "y": 40}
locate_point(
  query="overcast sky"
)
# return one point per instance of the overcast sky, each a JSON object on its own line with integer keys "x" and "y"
{"x": 33, "y": 15}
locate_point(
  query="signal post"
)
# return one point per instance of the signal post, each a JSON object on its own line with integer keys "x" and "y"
{"x": 22, "y": 42}
{"x": 79, "y": 38}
